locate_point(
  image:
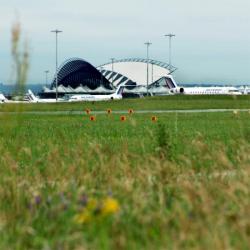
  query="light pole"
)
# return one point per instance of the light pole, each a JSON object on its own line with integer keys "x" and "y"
{"x": 152, "y": 72}
{"x": 170, "y": 36}
{"x": 46, "y": 77}
{"x": 56, "y": 32}
{"x": 101, "y": 75}
{"x": 147, "y": 44}
{"x": 112, "y": 60}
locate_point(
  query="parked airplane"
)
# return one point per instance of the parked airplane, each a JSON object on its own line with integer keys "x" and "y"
{"x": 210, "y": 91}
{"x": 245, "y": 90}
{"x": 34, "y": 99}
{"x": 202, "y": 90}
{"x": 116, "y": 96}
{"x": 27, "y": 98}
{"x": 31, "y": 98}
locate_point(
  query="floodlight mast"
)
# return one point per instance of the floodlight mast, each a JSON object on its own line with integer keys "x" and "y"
{"x": 170, "y": 36}
{"x": 152, "y": 72}
{"x": 101, "y": 75}
{"x": 112, "y": 61}
{"x": 46, "y": 77}
{"x": 147, "y": 44}
{"x": 56, "y": 32}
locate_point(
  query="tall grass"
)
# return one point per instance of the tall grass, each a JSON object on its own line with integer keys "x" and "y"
{"x": 20, "y": 58}
{"x": 197, "y": 199}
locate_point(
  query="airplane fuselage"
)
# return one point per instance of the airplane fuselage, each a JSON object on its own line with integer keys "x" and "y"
{"x": 206, "y": 91}
{"x": 79, "y": 98}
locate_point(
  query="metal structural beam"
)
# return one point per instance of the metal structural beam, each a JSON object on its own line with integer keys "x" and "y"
{"x": 150, "y": 61}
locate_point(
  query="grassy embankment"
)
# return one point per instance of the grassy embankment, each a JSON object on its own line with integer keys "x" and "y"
{"x": 152, "y": 103}
{"x": 69, "y": 183}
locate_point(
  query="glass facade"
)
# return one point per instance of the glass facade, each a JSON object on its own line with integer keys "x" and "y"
{"x": 76, "y": 72}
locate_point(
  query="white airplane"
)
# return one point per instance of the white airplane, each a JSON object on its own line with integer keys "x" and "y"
{"x": 116, "y": 96}
{"x": 27, "y": 98}
{"x": 210, "y": 91}
{"x": 245, "y": 90}
{"x": 202, "y": 90}
{"x": 31, "y": 98}
{"x": 34, "y": 99}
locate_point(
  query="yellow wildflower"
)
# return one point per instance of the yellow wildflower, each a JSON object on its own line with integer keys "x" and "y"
{"x": 110, "y": 206}
{"x": 95, "y": 210}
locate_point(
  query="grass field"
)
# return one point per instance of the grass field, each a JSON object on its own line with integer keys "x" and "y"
{"x": 153, "y": 103}
{"x": 181, "y": 182}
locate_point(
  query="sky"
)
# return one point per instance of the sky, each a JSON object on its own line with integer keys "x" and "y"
{"x": 212, "y": 43}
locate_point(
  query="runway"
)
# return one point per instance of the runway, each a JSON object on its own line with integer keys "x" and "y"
{"x": 122, "y": 112}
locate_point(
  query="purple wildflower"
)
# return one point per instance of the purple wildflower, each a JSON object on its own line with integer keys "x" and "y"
{"x": 38, "y": 200}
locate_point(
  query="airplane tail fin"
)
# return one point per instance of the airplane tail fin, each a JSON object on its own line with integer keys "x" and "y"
{"x": 33, "y": 98}
{"x": 171, "y": 82}
{"x": 120, "y": 90}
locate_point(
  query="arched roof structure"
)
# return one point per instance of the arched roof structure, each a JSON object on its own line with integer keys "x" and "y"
{"x": 142, "y": 60}
{"x": 134, "y": 71}
{"x": 76, "y": 71}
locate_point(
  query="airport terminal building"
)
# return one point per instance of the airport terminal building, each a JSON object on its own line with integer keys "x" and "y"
{"x": 77, "y": 76}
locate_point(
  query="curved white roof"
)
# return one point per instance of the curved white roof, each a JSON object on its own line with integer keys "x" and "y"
{"x": 135, "y": 70}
